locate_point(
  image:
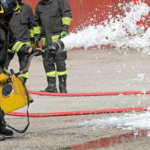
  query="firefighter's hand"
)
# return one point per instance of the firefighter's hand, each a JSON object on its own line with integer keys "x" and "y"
{"x": 63, "y": 34}
{"x": 38, "y": 51}
{"x": 3, "y": 78}
{"x": 52, "y": 48}
{"x": 36, "y": 42}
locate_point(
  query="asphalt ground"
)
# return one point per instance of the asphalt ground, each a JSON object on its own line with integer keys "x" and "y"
{"x": 104, "y": 70}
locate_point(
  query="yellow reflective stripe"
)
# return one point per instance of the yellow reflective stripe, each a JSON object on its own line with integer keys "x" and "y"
{"x": 28, "y": 43}
{"x": 37, "y": 30}
{"x": 16, "y": 7}
{"x": 31, "y": 33}
{"x": 51, "y": 74}
{"x": 61, "y": 73}
{"x": 43, "y": 41}
{"x": 2, "y": 10}
{"x": 6, "y": 70}
{"x": 66, "y": 20}
{"x": 9, "y": 50}
{"x": 24, "y": 75}
{"x": 17, "y": 46}
{"x": 55, "y": 38}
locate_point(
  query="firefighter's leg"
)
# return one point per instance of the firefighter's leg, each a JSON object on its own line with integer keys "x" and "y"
{"x": 51, "y": 85}
{"x": 9, "y": 57}
{"x": 2, "y": 137}
{"x": 3, "y": 130}
{"x": 49, "y": 66}
{"x": 23, "y": 61}
{"x": 62, "y": 71}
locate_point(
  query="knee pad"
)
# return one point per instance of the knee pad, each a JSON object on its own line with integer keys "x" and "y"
{"x": 48, "y": 67}
{"x": 61, "y": 65}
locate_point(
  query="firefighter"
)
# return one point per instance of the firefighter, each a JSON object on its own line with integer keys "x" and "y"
{"x": 8, "y": 40}
{"x": 51, "y": 23}
{"x": 21, "y": 24}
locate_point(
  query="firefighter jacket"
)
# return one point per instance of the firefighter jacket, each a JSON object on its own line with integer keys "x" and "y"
{"x": 8, "y": 41}
{"x": 21, "y": 23}
{"x": 52, "y": 17}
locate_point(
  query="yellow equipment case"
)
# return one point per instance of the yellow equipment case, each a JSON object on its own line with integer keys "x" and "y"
{"x": 13, "y": 95}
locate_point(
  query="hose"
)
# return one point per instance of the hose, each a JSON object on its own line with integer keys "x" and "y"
{"x": 71, "y": 113}
{"x": 89, "y": 94}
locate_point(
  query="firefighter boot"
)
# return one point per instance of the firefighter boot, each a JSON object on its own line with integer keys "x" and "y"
{"x": 51, "y": 85}
{"x": 62, "y": 84}
{"x": 3, "y": 130}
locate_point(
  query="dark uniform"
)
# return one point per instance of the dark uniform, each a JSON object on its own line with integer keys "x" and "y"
{"x": 21, "y": 24}
{"x": 8, "y": 40}
{"x": 51, "y": 23}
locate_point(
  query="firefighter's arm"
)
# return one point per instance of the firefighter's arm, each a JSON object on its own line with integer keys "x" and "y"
{"x": 30, "y": 50}
{"x": 37, "y": 28}
{"x": 37, "y": 34}
{"x": 24, "y": 48}
{"x": 18, "y": 46}
{"x": 3, "y": 77}
{"x": 66, "y": 17}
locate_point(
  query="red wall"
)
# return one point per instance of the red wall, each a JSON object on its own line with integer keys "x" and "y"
{"x": 98, "y": 10}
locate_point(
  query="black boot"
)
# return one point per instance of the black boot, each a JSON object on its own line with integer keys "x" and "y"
{"x": 51, "y": 85}
{"x": 5, "y": 131}
{"x": 62, "y": 83}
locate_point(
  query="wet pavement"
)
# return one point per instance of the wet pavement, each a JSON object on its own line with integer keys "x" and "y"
{"x": 88, "y": 71}
{"x": 112, "y": 141}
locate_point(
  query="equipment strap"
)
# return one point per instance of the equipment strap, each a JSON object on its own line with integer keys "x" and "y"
{"x": 28, "y": 121}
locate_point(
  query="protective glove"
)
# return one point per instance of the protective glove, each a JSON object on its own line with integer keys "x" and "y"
{"x": 55, "y": 47}
{"x": 39, "y": 51}
{"x": 63, "y": 34}
{"x": 36, "y": 42}
{"x": 3, "y": 78}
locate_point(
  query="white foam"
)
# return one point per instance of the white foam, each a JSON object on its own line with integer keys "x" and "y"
{"x": 115, "y": 32}
{"x": 128, "y": 121}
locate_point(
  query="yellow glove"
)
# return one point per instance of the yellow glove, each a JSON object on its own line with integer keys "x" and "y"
{"x": 3, "y": 78}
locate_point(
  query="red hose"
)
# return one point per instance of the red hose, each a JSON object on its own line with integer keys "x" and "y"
{"x": 78, "y": 112}
{"x": 89, "y": 94}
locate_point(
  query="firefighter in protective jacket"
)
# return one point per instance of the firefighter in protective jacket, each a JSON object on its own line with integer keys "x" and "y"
{"x": 21, "y": 24}
{"x": 8, "y": 40}
{"x": 51, "y": 23}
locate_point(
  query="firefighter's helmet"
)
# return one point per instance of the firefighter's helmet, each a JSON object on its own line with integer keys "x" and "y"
{"x": 7, "y": 7}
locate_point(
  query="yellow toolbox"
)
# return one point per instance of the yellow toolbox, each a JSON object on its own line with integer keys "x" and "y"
{"x": 14, "y": 95}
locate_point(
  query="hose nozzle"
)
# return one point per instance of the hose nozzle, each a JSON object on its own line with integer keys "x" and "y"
{"x": 59, "y": 45}
{"x": 55, "y": 47}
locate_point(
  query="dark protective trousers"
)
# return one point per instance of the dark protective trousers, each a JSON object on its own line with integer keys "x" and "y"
{"x": 58, "y": 59}
{"x": 1, "y": 118}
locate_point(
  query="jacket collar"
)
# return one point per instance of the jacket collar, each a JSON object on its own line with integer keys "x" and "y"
{"x": 46, "y": 2}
